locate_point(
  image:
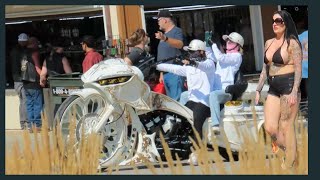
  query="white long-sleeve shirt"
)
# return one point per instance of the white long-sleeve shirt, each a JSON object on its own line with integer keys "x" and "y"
{"x": 226, "y": 67}
{"x": 200, "y": 82}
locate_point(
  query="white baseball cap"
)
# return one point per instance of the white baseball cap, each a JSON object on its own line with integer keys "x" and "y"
{"x": 23, "y": 37}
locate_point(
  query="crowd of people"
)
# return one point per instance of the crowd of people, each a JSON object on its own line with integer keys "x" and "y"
{"x": 30, "y": 73}
{"x": 207, "y": 70}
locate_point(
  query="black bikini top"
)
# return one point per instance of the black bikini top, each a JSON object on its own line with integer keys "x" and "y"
{"x": 276, "y": 58}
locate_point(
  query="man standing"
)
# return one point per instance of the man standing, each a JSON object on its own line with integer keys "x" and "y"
{"x": 171, "y": 41}
{"x": 16, "y": 56}
{"x": 92, "y": 57}
{"x": 33, "y": 90}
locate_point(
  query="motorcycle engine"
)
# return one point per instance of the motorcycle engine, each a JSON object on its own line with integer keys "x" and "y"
{"x": 175, "y": 130}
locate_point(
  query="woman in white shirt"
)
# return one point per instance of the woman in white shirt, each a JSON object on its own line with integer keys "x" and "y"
{"x": 227, "y": 66}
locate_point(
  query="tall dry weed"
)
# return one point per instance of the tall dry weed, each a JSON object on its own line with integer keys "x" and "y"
{"x": 47, "y": 154}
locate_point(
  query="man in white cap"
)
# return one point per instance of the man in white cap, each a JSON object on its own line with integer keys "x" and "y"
{"x": 15, "y": 56}
{"x": 198, "y": 71}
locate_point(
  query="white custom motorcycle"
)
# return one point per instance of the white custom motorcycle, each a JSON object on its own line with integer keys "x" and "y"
{"x": 117, "y": 103}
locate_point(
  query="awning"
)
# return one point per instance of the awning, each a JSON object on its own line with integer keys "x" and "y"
{"x": 39, "y": 12}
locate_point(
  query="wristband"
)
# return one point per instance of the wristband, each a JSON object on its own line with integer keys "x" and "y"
{"x": 166, "y": 39}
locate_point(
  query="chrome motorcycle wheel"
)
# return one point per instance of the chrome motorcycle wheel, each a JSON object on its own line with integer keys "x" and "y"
{"x": 86, "y": 113}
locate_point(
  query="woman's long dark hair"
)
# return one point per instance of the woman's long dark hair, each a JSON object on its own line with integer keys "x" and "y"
{"x": 291, "y": 30}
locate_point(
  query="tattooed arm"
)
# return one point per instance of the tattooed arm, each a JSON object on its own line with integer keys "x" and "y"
{"x": 263, "y": 77}
{"x": 263, "y": 74}
{"x": 295, "y": 55}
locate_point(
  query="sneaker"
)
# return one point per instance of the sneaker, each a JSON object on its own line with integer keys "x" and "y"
{"x": 275, "y": 147}
{"x": 193, "y": 159}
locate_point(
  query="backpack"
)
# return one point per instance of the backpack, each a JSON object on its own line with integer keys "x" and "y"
{"x": 28, "y": 69}
{"x": 145, "y": 66}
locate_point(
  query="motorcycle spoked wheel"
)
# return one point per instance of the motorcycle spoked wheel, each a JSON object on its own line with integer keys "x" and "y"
{"x": 86, "y": 113}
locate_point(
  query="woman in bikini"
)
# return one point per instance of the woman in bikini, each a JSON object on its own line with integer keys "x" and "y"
{"x": 282, "y": 69}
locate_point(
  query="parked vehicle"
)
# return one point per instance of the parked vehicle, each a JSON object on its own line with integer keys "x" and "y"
{"x": 117, "y": 103}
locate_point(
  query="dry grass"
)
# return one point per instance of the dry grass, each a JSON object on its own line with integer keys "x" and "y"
{"x": 50, "y": 156}
{"x": 47, "y": 156}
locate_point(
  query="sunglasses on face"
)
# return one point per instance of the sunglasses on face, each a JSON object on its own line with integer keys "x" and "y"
{"x": 278, "y": 21}
{"x": 192, "y": 52}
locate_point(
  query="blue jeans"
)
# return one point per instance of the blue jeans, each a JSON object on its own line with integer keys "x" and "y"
{"x": 184, "y": 98}
{"x": 174, "y": 85}
{"x": 18, "y": 86}
{"x": 215, "y": 99}
{"x": 34, "y": 106}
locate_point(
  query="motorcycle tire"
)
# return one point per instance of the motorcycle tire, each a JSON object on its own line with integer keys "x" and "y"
{"x": 114, "y": 134}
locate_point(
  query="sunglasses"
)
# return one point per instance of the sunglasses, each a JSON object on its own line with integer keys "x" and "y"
{"x": 192, "y": 52}
{"x": 278, "y": 21}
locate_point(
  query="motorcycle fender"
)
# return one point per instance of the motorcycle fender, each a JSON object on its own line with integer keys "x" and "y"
{"x": 84, "y": 93}
{"x": 162, "y": 102}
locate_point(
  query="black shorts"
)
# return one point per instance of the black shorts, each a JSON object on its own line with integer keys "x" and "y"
{"x": 281, "y": 84}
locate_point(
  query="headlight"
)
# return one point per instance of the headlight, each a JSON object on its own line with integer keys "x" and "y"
{"x": 115, "y": 80}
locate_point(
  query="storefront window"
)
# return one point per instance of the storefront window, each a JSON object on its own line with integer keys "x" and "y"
{"x": 66, "y": 31}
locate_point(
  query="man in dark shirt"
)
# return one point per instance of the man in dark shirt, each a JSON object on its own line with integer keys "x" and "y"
{"x": 92, "y": 57}
{"x": 34, "y": 94}
{"x": 16, "y": 56}
{"x": 171, "y": 41}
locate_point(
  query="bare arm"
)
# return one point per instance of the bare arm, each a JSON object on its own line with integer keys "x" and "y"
{"x": 128, "y": 61}
{"x": 66, "y": 65}
{"x": 295, "y": 53}
{"x": 263, "y": 74}
{"x": 175, "y": 43}
{"x": 36, "y": 60}
{"x": 43, "y": 74}
{"x": 262, "y": 79}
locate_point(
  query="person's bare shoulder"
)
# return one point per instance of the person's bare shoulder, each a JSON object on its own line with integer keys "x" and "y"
{"x": 268, "y": 42}
{"x": 294, "y": 43}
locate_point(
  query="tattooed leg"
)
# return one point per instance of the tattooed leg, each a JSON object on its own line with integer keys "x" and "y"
{"x": 274, "y": 137}
{"x": 285, "y": 109}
